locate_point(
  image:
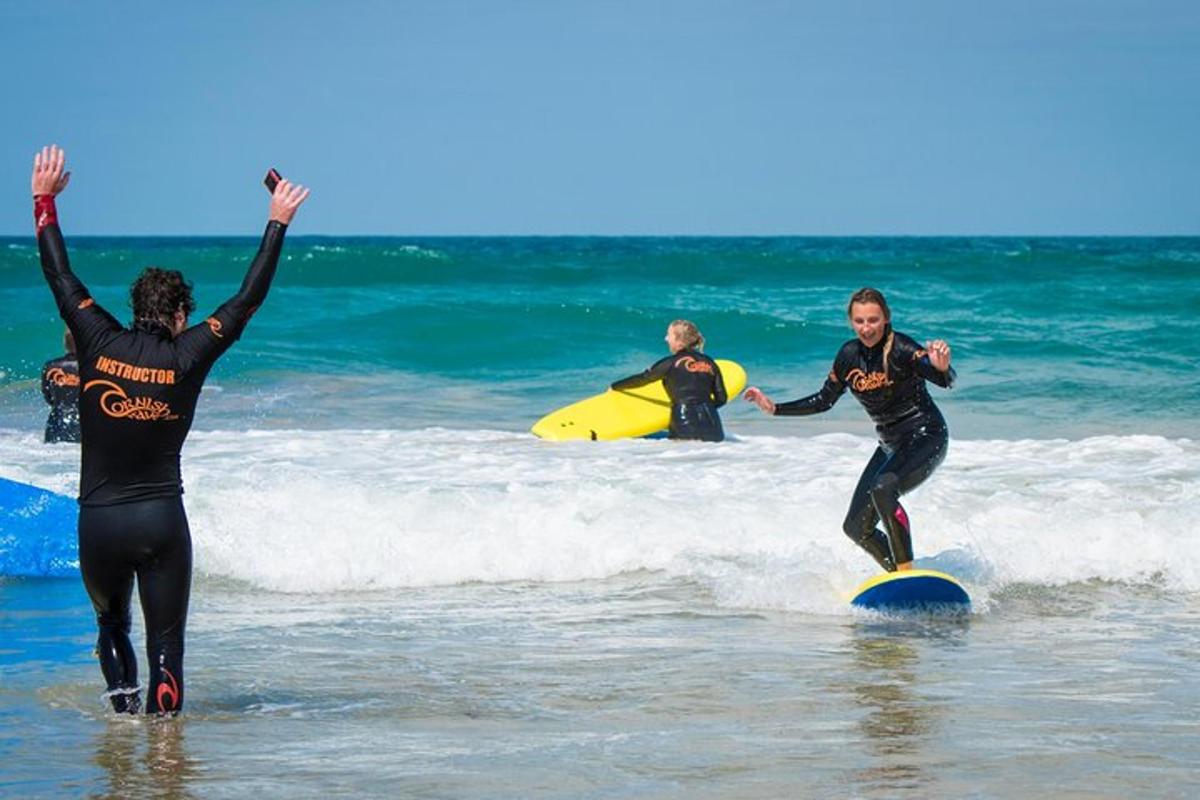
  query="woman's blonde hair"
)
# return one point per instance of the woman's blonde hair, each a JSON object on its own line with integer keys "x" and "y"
{"x": 692, "y": 338}
{"x": 869, "y": 295}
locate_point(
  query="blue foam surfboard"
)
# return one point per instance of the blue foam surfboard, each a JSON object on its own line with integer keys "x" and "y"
{"x": 37, "y": 532}
{"x": 912, "y": 590}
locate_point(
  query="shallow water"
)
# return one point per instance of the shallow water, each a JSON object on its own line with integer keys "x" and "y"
{"x": 502, "y": 617}
{"x": 635, "y": 686}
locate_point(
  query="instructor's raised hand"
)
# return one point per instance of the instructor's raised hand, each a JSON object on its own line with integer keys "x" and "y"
{"x": 286, "y": 198}
{"x": 48, "y": 175}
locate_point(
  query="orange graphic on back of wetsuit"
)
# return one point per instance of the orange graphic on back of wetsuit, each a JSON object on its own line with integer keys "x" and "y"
{"x": 60, "y": 377}
{"x": 866, "y": 382}
{"x": 214, "y": 325}
{"x": 694, "y": 365}
{"x": 117, "y": 404}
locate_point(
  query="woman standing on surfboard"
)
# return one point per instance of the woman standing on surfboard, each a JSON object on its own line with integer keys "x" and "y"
{"x": 693, "y": 382}
{"x": 886, "y": 371}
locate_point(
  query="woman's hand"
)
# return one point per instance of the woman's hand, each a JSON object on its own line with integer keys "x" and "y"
{"x": 939, "y": 354}
{"x": 286, "y": 198}
{"x": 755, "y": 395}
{"x": 48, "y": 175}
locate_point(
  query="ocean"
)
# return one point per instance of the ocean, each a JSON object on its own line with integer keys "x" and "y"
{"x": 401, "y": 592}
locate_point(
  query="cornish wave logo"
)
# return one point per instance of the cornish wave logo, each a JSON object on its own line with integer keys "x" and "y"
{"x": 692, "y": 364}
{"x": 116, "y": 403}
{"x": 60, "y": 377}
{"x": 867, "y": 382}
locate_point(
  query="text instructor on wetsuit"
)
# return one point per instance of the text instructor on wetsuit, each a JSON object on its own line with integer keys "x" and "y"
{"x": 139, "y": 387}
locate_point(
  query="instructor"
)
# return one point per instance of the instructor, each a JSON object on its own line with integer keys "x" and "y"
{"x": 139, "y": 387}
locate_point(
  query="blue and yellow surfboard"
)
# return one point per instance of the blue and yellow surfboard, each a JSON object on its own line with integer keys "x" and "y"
{"x": 912, "y": 590}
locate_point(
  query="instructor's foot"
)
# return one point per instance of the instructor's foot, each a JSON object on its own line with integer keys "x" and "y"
{"x": 125, "y": 700}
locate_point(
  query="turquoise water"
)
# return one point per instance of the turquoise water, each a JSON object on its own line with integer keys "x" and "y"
{"x": 400, "y": 592}
{"x": 1063, "y": 335}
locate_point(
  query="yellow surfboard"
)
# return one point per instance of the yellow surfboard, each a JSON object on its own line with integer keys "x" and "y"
{"x": 620, "y": 415}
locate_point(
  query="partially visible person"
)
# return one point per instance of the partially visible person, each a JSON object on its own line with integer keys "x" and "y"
{"x": 693, "y": 382}
{"x": 139, "y": 390}
{"x": 886, "y": 372}
{"x": 60, "y": 388}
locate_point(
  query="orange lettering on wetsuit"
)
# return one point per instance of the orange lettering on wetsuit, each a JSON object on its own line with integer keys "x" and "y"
{"x": 119, "y": 405}
{"x": 214, "y": 325}
{"x": 866, "y": 382}
{"x": 132, "y": 372}
{"x": 694, "y": 365}
{"x": 60, "y": 377}
{"x": 86, "y": 302}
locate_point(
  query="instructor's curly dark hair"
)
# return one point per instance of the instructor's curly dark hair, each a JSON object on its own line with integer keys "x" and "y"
{"x": 158, "y": 293}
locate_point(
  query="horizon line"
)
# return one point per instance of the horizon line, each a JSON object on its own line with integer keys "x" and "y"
{"x": 625, "y": 235}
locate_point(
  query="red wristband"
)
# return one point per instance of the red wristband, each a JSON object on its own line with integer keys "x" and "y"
{"x": 44, "y": 212}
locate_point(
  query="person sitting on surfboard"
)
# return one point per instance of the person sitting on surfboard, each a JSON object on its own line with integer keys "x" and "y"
{"x": 137, "y": 401}
{"x": 886, "y": 371}
{"x": 693, "y": 382}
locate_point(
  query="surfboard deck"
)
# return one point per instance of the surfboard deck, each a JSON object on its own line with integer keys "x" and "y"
{"x": 38, "y": 536}
{"x": 912, "y": 590}
{"x": 625, "y": 414}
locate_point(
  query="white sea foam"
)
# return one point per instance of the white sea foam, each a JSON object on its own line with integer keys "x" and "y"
{"x": 757, "y": 521}
{"x": 411, "y": 250}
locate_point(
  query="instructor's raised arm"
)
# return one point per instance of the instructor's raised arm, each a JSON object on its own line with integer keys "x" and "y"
{"x": 285, "y": 201}
{"x": 207, "y": 342}
{"x": 75, "y": 304}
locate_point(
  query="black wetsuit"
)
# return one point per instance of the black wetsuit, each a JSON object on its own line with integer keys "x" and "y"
{"x": 912, "y": 435}
{"x": 60, "y": 388}
{"x": 693, "y": 382}
{"x": 138, "y": 398}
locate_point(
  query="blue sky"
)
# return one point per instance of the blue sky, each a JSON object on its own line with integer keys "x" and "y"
{"x": 829, "y": 118}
